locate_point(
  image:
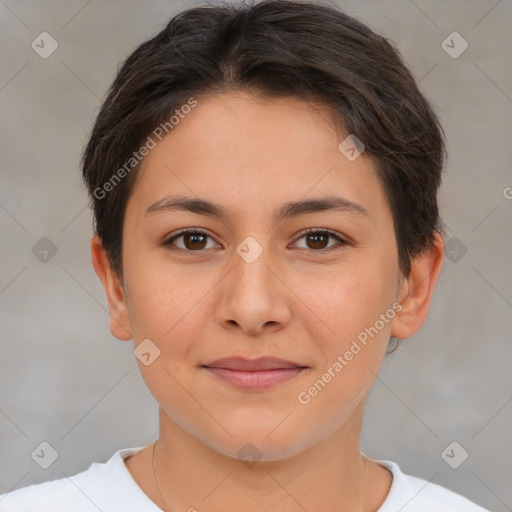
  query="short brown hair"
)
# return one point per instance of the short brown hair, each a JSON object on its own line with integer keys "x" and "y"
{"x": 279, "y": 48}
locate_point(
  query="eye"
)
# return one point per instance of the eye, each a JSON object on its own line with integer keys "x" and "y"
{"x": 317, "y": 238}
{"x": 194, "y": 240}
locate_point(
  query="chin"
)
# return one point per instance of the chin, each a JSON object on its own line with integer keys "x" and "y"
{"x": 257, "y": 445}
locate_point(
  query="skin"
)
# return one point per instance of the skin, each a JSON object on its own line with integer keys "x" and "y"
{"x": 295, "y": 301}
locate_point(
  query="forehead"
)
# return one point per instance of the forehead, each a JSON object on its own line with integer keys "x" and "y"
{"x": 249, "y": 152}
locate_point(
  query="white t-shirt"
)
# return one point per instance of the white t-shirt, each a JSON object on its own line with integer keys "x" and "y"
{"x": 110, "y": 487}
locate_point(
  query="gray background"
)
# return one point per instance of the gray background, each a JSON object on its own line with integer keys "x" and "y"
{"x": 67, "y": 381}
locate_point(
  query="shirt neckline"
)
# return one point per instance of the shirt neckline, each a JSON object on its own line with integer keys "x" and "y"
{"x": 118, "y": 461}
{"x": 118, "y": 458}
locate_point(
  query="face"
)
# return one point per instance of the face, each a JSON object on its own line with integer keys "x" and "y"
{"x": 251, "y": 284}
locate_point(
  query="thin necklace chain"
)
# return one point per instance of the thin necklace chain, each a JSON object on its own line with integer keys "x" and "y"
{"x": 156, "y": 480}
{"x": 170, "y": 509}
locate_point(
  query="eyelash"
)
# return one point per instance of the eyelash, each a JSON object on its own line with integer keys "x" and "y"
{"x": 168, "y": 243}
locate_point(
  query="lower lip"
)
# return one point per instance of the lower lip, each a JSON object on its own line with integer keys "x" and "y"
{"x": 263, "y": 379}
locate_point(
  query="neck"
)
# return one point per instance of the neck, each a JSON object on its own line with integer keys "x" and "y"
{"x": 330, "y": 476}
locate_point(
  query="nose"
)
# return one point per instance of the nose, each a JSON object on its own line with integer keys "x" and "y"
{"x": 253, "y": 297}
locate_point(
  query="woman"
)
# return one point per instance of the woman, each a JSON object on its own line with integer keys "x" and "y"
{"x": 264, "y": 181}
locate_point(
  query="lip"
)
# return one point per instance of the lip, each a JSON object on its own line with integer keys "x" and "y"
{"x": 253, "y": 365}
{"x": 261, "y": 373}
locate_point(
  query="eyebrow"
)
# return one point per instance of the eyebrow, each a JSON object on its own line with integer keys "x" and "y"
{"x": 291, "y": 209}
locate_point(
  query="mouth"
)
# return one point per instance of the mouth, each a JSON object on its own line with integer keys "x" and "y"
{"x": 262, "y": 373}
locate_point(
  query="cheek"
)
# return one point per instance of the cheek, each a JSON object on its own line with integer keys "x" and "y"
{"x": 162, "y": 298}
{"x": 167, "y": 310}
{"x": 345, "y": 301}
{"x": 346, "y": 311}
{"x": 346, "y": 306}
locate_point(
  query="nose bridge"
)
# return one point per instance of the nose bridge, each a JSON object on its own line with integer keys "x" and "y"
{"x": 253, "y": 296}
{"x": 251, "y": 274}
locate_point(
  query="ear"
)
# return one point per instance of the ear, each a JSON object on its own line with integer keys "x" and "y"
{"x": 119, "y": 319}
{"x": 417, "y": 289}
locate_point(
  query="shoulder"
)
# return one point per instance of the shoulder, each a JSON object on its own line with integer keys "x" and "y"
{"x": 104, "y": 486}
{"x": 412, "y": 494}
{"x": 56, "y": 495}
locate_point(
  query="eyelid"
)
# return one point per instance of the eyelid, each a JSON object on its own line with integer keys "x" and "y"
{"x": 185, "y": 231}
{"x": 340, "y": 239}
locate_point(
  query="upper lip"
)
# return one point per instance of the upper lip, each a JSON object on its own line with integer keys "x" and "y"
{"x": 262, "y": 363}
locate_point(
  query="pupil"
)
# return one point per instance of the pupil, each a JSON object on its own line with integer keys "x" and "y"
{"x": 194, "y": 237}
{"x": 315, "y": 238}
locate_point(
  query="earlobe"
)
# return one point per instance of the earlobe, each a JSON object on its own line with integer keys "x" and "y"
{"x": 417, "y": 289}
{"x": 119, "y": 319}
